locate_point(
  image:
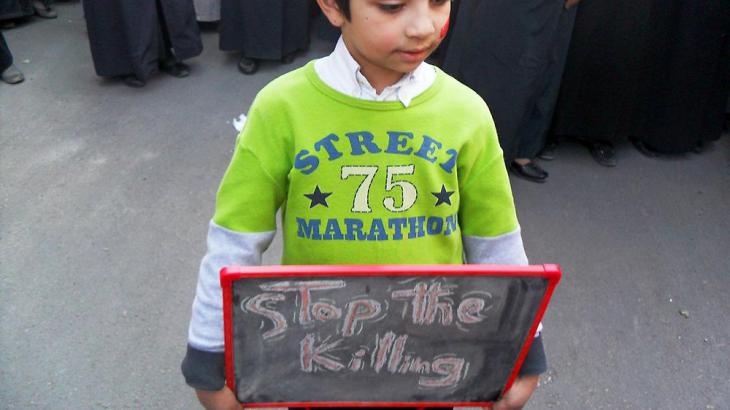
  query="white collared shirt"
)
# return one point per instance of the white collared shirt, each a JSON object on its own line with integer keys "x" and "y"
{"x": 341, "y": 72}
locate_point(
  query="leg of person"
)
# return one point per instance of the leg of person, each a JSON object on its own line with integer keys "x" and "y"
{"x": 263, "y": 30}
{"x": 295, "y": 29}
{"x": 169, "y": 64}
{"x": 6, "y": 58}
{"x": 549, "y": 100}
{"x": 549, "y": 50}
{"x": 10, "y": 73}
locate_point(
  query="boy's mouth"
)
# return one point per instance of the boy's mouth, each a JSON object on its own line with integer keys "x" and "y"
{"x": 415, "y": 54}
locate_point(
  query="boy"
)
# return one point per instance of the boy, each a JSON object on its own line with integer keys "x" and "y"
{"x": 376, "y": 157}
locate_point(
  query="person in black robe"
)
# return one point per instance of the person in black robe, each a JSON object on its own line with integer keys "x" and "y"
{"x": 513, "y": 53}
{"x": 132, "y": 39}
{"x": 8, "y": 72}
{"x": 658, "y": 74}
{"x": 264, "y": 30}
{"x": 688, "y": 78}
{"x": 14, "y": 9}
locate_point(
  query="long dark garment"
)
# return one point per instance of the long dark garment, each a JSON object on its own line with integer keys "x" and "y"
{"x": 512, "y": 53}
{"x": 12, "y": 9}
{"x": 264, "y": 29}
{"x": 689, "y": 78}
{"x": 6, "y": 58}
{"x": 656, "y": 70}
{"x": 127, "y": 36}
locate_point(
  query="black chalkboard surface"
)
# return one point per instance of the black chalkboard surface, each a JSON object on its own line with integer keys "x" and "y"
{"x": 380, "y": 335}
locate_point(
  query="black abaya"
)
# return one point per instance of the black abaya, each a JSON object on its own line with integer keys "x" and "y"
{"x": 689, "y": 79}
{"x": 12, "y": 9}
{"x": 656, "y": 70}
{"x": 512, "y": 54}
{"x": 264, "y": 29}
{"x": 126, "y": 36}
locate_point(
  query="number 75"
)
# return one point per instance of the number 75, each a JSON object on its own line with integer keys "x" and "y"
{"x": 361, "y": 202}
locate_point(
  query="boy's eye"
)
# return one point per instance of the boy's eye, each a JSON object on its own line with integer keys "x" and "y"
{"x": 440, "y": 2}
{"x": 390, "y": 7}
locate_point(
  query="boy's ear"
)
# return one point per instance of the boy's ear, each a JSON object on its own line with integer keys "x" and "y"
{"x": 332, "y": 11}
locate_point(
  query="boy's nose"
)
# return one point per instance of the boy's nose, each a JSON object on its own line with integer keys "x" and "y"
{"x": 421, "y": 24}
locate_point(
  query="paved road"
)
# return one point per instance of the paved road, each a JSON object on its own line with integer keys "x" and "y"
{"x": 106, "y": 192}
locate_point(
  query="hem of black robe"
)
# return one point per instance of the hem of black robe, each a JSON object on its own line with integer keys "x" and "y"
{"x": 14, "y": 16}
{"x": 263, "y": 55}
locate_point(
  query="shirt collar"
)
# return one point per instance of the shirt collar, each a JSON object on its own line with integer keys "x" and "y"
{"x": 340, "y": 71}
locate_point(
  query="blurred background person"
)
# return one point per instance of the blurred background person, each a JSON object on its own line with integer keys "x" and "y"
{"x": 513, "y": 54}
{"x": 264, "y": 30}
{"x": 653, "y": 71}
{"x": 133, "y": 39}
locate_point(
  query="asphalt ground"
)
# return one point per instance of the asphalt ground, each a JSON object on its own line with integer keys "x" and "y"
{"x": 106, "y": 192}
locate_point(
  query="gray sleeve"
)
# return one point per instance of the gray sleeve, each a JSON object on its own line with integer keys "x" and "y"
{"x": 204, "y": 364}
{"x": 506, "y": 249}
{"x": 225, "y": 248}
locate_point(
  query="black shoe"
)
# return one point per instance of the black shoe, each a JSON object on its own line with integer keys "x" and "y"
{"x": 12, "y": 75}
{"x": 699, "y": 147}
{"x": 603, "y": 153}
{"x": 175, "y": 68}
{"x": 548, "y": 152}
{"x": 248, "y": 65}
{"x": 643, "y": 149}
{"x": 287, "y": 59}
{"x": 530, "y": 171}
{"x": 44, "y": 11}
{"x": 133, "y": 81}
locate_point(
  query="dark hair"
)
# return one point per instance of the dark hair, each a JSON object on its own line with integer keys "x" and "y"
{"x": 344, "y": 6}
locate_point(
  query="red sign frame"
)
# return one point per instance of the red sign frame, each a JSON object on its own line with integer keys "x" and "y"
{"x": 229, "y": 274}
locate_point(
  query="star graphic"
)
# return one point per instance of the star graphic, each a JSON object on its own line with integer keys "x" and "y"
{"x": 318, "y": 197}
{"x": 443, "y": 197}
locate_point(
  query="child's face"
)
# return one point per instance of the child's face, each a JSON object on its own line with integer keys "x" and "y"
{"x": 389, "y": 38}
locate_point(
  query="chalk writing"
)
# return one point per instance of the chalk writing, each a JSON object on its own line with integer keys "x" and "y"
{"x": 424, "y": 303}
{"x": 387, "y": 356}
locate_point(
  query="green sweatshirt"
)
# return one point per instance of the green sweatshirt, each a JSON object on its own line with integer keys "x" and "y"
{"x": 365, "y": 182}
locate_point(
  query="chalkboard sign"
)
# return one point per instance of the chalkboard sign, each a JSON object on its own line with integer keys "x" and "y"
{"x": 380, "y": 335}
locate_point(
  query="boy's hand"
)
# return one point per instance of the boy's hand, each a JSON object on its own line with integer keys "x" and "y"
{"x": 223, "y": 399}
{"x": 519, "y": 394}
{"x": 571, "y": 3}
